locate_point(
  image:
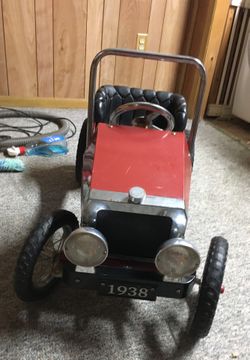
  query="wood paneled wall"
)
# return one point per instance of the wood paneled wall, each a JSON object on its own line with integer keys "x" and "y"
{"x": 46, "y": 46}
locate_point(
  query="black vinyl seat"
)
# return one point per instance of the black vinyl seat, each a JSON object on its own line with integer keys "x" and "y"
{"x": 109, "y": 97}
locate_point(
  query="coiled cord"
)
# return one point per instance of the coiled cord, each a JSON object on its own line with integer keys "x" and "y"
{"x": 33, "y": 133}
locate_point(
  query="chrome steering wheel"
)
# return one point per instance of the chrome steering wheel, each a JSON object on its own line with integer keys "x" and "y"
{"x": 148, "y": 121}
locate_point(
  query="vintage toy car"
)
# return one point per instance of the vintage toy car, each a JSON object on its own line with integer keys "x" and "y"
{"x": 134, "y": 164}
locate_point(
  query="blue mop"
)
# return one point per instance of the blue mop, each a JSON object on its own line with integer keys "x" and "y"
{"x": 11, "y": 165}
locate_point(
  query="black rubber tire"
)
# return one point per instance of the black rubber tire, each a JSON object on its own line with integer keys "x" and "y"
{"x": 210, "y": 287}
{"x": 31, "y": 250}
{"x": 81, "y": 147}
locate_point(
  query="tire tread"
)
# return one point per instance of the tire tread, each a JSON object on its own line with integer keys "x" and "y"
{"x": 210, "y": 288}
{"x": 31, "y": 250}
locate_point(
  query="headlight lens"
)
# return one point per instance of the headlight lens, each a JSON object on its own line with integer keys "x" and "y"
{"x": 86, "y": 247}
{"x": 177, "y": 258}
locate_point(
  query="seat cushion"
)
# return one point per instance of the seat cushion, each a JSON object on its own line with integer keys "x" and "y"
{"x": 109, "y": 97}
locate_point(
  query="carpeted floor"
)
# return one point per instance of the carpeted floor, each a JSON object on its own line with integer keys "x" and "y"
{"x": 77, "y": 324}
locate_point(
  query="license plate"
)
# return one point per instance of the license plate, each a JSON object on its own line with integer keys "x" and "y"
{"x": 128, "y": 290}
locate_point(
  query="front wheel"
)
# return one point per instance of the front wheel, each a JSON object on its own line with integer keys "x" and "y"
{"x": 210, "y": 288}
{"x": 35, "y": 270}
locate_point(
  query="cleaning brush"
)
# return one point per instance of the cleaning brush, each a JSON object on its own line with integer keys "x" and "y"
{"x": 11, "y": 165}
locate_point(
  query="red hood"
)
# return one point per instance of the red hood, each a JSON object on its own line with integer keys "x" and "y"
{"x": 157, "y": 161}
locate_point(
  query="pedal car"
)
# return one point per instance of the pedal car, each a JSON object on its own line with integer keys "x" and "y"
{"x": 134, "y": 164}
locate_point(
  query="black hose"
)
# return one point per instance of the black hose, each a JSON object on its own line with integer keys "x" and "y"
{"x": 62, "y": 123}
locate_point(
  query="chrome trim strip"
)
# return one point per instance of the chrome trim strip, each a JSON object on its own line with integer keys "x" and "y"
{"x": 84, "y": 269}
{"x": 90, "y": 209}
{"x": 149, "y": 200}
{"x": 98, "y": 200}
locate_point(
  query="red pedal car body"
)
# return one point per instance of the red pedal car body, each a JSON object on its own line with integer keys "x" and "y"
{"x": 134, "y": 164}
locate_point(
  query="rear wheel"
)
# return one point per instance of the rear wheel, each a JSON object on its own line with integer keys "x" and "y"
{"x": 210, "y": 288}
{"x": 80, "y": 151}
{"x": 39, "y": 257}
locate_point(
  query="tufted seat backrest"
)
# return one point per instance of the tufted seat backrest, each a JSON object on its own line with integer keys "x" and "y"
{"x": 109, "y": 97}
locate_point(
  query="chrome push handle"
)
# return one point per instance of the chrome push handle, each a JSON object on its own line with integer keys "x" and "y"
{"x": 183, "y": 59}
{"x": 140, "y": 105}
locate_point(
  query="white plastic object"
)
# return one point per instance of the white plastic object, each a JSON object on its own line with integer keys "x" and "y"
{"x": 13, "y": 151}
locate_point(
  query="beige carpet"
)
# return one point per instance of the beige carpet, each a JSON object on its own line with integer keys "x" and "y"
{"x": 77, "y": 324}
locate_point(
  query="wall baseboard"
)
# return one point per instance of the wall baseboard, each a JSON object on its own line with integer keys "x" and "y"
{"x": 215, "y": 110}
{"x": 43, "y": 102}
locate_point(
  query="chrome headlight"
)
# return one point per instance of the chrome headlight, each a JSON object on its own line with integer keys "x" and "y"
{"x": 86, "y": 247}
{"x": 177, "y": 258}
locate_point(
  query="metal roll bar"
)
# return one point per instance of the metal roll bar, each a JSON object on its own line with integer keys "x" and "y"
{"x": 183, "y": 59}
